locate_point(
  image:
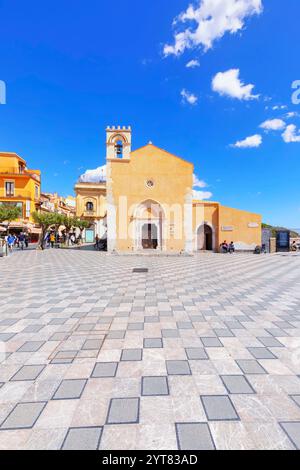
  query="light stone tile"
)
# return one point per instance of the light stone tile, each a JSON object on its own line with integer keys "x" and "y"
{"x": 231, "y": 436}
{"x": 120, "y": 437}
{"x": 268, "y": 436}
{"x": 156, "y": 437}
{"x": 45, "y": 439}
{"x": 57, "y": 414}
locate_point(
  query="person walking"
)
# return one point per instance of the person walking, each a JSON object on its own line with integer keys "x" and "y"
{"x": 11, "y": 239}
{"x": 21, "y": 241}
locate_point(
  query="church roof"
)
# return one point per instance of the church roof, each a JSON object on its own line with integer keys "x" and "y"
{"x": 162, "y": 150}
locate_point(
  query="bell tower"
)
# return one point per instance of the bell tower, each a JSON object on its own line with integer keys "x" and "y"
{"x": 118, "y": 143}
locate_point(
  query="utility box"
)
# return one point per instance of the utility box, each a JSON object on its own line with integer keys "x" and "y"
{"x": 283, "y": 241}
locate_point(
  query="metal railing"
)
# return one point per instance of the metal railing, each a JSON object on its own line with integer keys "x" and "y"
{"x": 17, "y": 171}
{"x": 18, "y": 194}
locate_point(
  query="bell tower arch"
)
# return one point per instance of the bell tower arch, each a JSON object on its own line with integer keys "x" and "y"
{"x": 118, "y": 143}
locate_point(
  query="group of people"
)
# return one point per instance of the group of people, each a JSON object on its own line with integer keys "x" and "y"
{"x": 227, "y": 247}
{"x": 20, "y": 241}
{"x": 54, "y": 238}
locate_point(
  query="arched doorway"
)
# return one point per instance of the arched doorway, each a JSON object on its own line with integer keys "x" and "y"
{"x": 149, "y": 237}
{"x": 149, "y": 223}
{"x": 205, "y": 238}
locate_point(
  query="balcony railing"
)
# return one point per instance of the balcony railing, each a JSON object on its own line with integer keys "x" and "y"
{"x": 90, "y": 213}
{"x": 17, "y": 195}
{"x": 17, "y": 171}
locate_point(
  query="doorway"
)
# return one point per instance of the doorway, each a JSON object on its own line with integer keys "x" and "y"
{"x": 205, "y": 238}
{"x": 149, "y": 237}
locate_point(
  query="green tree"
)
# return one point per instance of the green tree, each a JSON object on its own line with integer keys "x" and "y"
{"x": 9, "y": 213}
{"x": 69, "y": 223}
{"x": 46, "y": 221}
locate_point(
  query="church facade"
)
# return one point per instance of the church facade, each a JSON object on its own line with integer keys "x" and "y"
{"x": 146, "y": 203}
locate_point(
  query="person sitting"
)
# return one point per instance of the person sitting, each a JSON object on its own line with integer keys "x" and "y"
{"x": 224, "y": 247}
{"x": 294, "y": 246}
{"x": 231, "y": 248}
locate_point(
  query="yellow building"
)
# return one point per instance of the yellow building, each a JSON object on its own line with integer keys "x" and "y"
{"x": 147, "y": 203}
{"x": 20, "y": 187}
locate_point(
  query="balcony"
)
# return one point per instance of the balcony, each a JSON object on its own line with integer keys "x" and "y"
{"x": 90, "y": 214}
{"x": 17, "y": 195}
{"x": 19, "y": 172}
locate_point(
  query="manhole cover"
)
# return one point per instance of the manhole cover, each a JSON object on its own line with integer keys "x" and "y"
{"x": 140, "y": 270}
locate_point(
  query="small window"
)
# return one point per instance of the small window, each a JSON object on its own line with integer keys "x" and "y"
{"x": 9, "y": 188}
{"x": 119, "y": 149}
{"x": 89, "y": 207}
{"x": 36, "y": 192}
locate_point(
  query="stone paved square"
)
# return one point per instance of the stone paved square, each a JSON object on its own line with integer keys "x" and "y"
{"x": 219, "y": 408}
{"x": 123, "y": 411}
{"x": 178, "y": 368}
{"x": 132, "y": 355}
{"x": 28, "y": 373}
{"x": 237, "y": 384}
{"x": 153, "y": 343}
{"x": 196, "y": 353}
{"x": 183, "y": 357}
{"x": 152, "y": 386}
{"x": 293, "y": 432}
{"x": 82, "y": 439}
{"x": 105, "y": 369}
{"x": 23, "y": 416}
{"x": 194, "y": 436}
{"x": 69, "y": 389}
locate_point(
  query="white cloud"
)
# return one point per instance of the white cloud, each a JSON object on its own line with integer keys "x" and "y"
{"x": 188, "y": 97}
{"x": 199, "y": 183}
{"x": 292, "y": 114}
{"x": 291, "y": 134}
{"x": 209, "y": 20}
{"x": 279, "y": 107}
{"x": 273, "y": 125}
{"x": 94, "y": 176}
{"x": 201, "y": 195}
{"x": 192, "y": 64}
{"x": 253, "y": 141}
{"x": 229, "y": 84}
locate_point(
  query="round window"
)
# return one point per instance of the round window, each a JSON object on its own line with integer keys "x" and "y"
{"x": 150, "y": 183}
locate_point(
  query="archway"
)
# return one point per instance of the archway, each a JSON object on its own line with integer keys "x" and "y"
{"x": 149, "y": 237}
{"x": 149, "y": 223}
{"x": 205, "y": 238}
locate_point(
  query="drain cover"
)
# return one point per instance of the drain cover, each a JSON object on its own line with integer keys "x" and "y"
{"x": 140, "y": 270}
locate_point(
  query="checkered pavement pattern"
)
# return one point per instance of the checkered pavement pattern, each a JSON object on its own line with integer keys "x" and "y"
{"x": 199, "y": 352}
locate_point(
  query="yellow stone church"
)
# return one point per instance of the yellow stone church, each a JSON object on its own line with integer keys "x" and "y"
{"x": 145, "y": 202}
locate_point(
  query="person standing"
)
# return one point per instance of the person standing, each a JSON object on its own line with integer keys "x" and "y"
{"x": 52, "y": 239}
{"x": 97, "y": 242}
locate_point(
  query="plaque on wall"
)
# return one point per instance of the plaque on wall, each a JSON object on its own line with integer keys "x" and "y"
{"x": 227, "y": 228}
{"x": 253, "y": 225}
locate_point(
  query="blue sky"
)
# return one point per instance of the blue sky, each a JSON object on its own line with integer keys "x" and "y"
{"x": 71, "y": 68}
